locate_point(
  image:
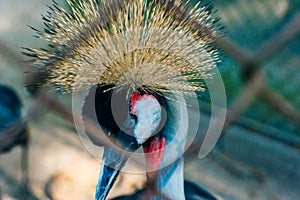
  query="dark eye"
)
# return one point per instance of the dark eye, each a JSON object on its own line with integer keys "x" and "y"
{"x": 133, "y": 118}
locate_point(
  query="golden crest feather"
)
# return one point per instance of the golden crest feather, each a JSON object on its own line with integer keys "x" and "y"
{"x": 140, "y": 44}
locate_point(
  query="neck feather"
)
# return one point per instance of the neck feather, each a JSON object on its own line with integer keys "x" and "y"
{"x": 170, "y": 177}
{"x": 172, "y": 183}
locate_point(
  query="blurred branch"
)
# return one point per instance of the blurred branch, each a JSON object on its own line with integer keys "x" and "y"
{"x": 276, "y": 43}
{"x": 245, "y": 98}
{"x": 281, "y": 105}
{"x": 9, "y": 54}
{"x": 233, "y": 51}
{"x": 280, "y": 40}
{"x": 251, "y": 65}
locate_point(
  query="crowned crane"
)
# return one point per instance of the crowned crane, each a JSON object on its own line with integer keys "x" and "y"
{"x": 139, "y": 59}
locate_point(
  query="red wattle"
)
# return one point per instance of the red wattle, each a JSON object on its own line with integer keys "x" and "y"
{"x": 154, "y": 153}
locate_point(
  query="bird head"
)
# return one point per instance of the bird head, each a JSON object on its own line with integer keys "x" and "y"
{"x": 139, "y": 50}
{"x": 130, "y": 122}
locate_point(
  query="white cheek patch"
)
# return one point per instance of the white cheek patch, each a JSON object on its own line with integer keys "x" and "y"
{"x": 148, "y": 112}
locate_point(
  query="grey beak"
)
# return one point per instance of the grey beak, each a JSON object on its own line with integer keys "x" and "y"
{"x": 113, "y": 162}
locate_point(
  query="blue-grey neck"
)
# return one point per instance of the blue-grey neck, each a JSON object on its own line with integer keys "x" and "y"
{"x": 171, "y": 178}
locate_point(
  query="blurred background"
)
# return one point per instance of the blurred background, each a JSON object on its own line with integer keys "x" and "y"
{"x": 257, "y": 156}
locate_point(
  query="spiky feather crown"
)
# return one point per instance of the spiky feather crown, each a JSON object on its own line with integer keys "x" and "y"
{"x": 127, "y": 43}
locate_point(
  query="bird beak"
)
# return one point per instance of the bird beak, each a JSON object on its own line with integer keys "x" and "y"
{"x": 112, "y": 163}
